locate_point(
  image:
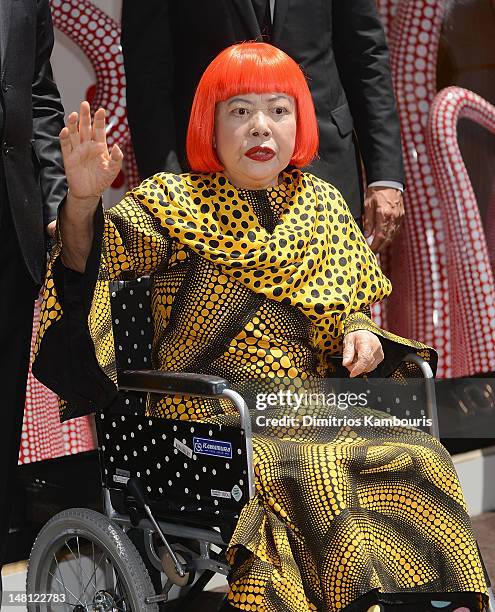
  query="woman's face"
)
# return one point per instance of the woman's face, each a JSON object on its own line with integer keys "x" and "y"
{"x": 255, "y": 136}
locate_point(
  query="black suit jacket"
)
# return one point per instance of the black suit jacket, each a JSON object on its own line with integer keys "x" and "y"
{"x": 340, "y": 44}
{"x": 31, "y": 156}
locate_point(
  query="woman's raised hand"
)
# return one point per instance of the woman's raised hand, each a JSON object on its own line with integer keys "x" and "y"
{"x": 89, "y": 168}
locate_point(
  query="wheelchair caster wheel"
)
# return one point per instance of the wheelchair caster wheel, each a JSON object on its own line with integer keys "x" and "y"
{"x": 170, "y": 570}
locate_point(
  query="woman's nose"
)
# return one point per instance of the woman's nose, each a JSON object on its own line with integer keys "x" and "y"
{"x": 260, "y": 126}
{"x": 256, "y": 131}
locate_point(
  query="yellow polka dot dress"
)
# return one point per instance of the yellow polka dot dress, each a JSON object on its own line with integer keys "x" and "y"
{"x": 263, "y": 285}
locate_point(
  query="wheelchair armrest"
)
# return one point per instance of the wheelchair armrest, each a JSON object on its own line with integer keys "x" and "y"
{"x": 422, "y": 364}
{"x": 431, "y": 400}
{"x": 179, "y": 383}
{"x": 427, "y": 374}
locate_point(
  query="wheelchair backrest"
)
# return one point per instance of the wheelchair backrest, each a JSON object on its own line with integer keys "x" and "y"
{"x": 133, "y": 335}
{"x": 187, "y": 468}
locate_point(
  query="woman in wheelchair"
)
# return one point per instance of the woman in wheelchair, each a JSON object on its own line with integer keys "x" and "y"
{"x": 260, "y": 272}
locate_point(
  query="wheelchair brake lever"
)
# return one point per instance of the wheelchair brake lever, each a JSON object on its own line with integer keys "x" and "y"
{"x": 135, "y": 489}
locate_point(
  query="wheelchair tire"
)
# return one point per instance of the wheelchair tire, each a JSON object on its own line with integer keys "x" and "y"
{"x": 121, "y": 560}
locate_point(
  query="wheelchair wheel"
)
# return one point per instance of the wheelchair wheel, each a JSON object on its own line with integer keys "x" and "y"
{"x": 86, "y": 564}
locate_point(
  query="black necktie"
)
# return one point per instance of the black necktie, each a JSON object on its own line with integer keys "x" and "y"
{"x": 262, "y": 10}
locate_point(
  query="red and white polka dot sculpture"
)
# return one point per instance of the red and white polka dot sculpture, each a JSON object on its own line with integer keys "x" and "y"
{"x": 470, "y": 273}
{"x": 98, "y": 35}
{"x": 440, "y": 296}
{"x": 43, "y": 436}
{"x": 387, "y": 10}
{"x": 419, "y": 306}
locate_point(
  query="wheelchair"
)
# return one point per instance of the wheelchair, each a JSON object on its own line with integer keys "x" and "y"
{"x": 180, "y": 484}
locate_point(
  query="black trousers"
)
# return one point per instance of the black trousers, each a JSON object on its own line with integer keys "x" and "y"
{"x": 17, "y": 295}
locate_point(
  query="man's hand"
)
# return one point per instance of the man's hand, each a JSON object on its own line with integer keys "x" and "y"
{"x": 362, "y": 352}
{"x": 51, "y": 228}
{"x": 383, "y": 214}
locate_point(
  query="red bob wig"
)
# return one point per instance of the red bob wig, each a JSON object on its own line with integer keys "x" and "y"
{"x": 249, "y": 67}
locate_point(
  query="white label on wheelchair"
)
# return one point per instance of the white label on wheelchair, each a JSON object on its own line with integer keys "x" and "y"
{"x": 121, "y": 476}
{"x": 214, "y": 448}
{"x": 217, "y": 493}
{"x": 183, "y": 448}
{"x": 236, "y": 493}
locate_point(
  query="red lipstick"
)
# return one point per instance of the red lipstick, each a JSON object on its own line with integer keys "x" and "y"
{"x": 260, "y": 153}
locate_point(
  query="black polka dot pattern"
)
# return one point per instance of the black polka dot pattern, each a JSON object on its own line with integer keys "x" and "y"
{"x": 265, "y": 285}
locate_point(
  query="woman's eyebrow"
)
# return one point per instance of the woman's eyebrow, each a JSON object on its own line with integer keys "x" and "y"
{"x": 271, "y": 99}
{"x": 243, "y": 100}
{"x": 279, "y": 97}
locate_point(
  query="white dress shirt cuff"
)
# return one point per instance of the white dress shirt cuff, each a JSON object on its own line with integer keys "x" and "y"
{"x": 391, "y": 184}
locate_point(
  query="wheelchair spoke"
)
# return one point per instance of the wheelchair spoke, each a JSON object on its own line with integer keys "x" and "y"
{"x": 76, "y": 601}
{"x": 93, "y": 574}
{"x": 78, "y": 575}
{"x": 94, "y": 564}
{"x": 119, "y": 588}
{"x": 88, "y": 568}
{"x": 108, "y": 572}
{"x": 58, "y": 568}
{"x": 80, "y": 564}
{"x": 66, "y": 589}
{"x": 116, "y": 605}
{"x": 113, "y": 584}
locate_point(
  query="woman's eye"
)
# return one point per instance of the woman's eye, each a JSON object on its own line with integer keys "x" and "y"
{"x": 240, "y": 111}
{"x": 280, "y": 110}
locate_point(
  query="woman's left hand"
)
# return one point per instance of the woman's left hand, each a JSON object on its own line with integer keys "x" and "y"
{"x": 362, "y": 352}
